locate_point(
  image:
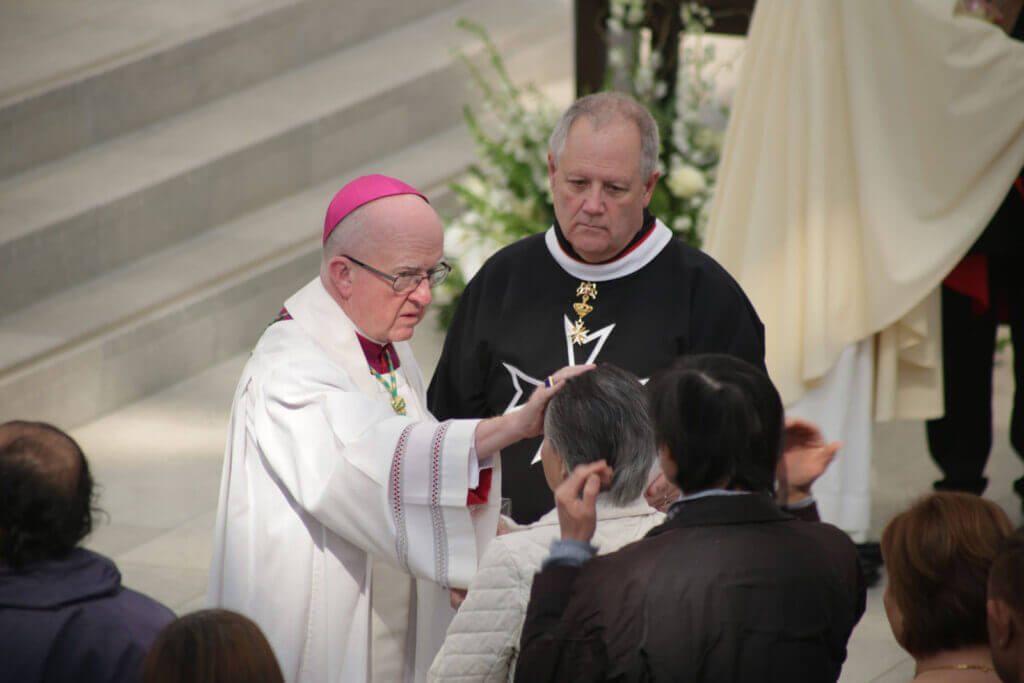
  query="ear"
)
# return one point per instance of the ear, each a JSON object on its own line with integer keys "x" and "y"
{"x": 551, "y": 167}
{"x": 339, "y": 271}
{"x": 649, "y": 184}
{"x": 1001, "y": 625}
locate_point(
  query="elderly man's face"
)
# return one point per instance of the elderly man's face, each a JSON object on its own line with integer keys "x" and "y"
{"x": 406, "y": 237}
{"x": 599, "y": 193}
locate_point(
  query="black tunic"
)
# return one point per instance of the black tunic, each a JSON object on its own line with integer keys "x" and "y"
{"x": 658, "y": 300}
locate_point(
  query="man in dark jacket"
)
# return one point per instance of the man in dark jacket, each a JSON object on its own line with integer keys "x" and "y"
{"x": 729, "y": 588}
{"x": 64, "y": 615}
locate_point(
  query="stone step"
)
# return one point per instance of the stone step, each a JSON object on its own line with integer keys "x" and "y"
{"x": 156, "y": 321}
{"x": 134, "y": 330}
{"x": 76, "y": 74}
{"x": 66, "y": 222}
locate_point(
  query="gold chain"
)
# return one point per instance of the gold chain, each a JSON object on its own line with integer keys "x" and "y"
{"x": 397, "y": 402}
{"x": 587, "y": 291}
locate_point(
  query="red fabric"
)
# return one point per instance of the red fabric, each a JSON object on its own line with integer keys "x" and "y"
{"x": 478, "y": 496}
{"x": 376, "y": 354}
{"x": 970, "y": 278}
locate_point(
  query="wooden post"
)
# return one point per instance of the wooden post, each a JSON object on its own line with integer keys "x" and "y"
{"x": 591, "y": 52}
{"x": 731, "y": 17}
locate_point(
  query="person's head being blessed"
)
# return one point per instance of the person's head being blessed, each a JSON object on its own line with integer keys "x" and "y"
{"x": 600, "y": 415}
{"x": 381, "y": 255}
{"x": 602, "y": 159}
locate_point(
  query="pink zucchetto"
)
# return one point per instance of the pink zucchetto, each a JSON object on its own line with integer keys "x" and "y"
{"x": 361, "y": 191}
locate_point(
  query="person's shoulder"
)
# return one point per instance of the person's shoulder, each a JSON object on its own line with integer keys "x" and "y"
{"x": 695, "y": 262}
{"x": 826, "y": 535}
{"x": 117, "y": 613}
{"x": 523, "y": 549}
{"x": 285, "y": 353}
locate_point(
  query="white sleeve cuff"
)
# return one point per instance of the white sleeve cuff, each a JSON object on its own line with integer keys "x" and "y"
{"x": 476, "y": 465}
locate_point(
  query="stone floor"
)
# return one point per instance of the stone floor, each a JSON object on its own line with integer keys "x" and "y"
{"x": 158, "y": 463}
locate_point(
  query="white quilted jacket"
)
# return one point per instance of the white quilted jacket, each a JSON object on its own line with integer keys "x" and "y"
{"x": 483, "y": 640}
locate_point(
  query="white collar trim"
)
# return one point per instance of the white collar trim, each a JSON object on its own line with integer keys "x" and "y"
{"x": 640, "y": 255}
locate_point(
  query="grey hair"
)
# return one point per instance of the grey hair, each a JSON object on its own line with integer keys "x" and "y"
{"x": 603, "y": 108}
{"x": 603, "y": 414}
{"x": 350, "y": 232}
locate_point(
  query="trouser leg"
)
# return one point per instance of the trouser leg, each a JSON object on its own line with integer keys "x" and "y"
{"x": 960, "y": 441}
{"x": 1015, "y": 291}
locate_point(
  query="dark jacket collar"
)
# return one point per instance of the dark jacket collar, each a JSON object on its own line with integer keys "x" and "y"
{"x": 80, "y": 575}
{"x": 721, "y": 510}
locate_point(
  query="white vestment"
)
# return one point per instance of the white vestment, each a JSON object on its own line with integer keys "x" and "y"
{"x": 869, "y": 144}
{"x": 327, "y": 493}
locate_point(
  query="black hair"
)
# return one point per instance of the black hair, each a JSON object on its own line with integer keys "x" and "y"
{"x": 721, "y": 419}
{"x": 46, "y": 493}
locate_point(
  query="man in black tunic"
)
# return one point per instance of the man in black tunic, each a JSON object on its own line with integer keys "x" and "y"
{"x": 607, "y": 283}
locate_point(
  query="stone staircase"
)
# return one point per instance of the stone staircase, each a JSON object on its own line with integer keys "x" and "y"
{"x": 162, "y": 191}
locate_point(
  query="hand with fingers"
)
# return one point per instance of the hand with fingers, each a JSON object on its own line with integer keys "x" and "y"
{"x": 532, "y": 413}
{"x": 661, "y": 493}
{"x": 576, "y": 500}
{"x": 805, "y": 457}
{"x": 457, "y": 596}
{"x": 495, "y": 433}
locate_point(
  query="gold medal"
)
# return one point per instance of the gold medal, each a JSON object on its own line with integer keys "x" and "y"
{"x": 578, "y": 333}
{"x": 398, "y": 404}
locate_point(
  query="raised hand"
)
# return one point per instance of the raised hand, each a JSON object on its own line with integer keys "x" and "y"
{"x": 805, "y": 457}
{"x": 576, "y": 500}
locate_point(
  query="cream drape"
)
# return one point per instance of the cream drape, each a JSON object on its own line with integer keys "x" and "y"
{"x": 870, "y": 142}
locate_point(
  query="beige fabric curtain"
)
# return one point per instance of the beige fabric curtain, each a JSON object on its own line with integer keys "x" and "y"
{"x": 870, "y": 142}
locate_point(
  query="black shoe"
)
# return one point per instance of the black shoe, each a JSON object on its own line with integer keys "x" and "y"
{"x": 870, "y": 555}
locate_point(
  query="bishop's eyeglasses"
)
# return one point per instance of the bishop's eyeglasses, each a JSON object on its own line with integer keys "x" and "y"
{"x": 404, "y": 282}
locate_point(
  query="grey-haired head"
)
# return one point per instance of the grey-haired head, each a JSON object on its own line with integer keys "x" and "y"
{"x": 602, "y": 414}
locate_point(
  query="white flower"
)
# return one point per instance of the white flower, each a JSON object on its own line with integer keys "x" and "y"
{"x": 474, "y": 185}
{"x": 686, "y": 181}
{"x": 682, "y": 223}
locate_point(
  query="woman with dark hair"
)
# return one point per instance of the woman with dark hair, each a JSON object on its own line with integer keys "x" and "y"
{"x": 729, "y": 588}
{"x": 938, "y": 555}
{"x": 211, "y": 646}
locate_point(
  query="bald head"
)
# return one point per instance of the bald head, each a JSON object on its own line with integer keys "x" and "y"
{"x": 392, "y": 237}
{"x": 45, "y": 493}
